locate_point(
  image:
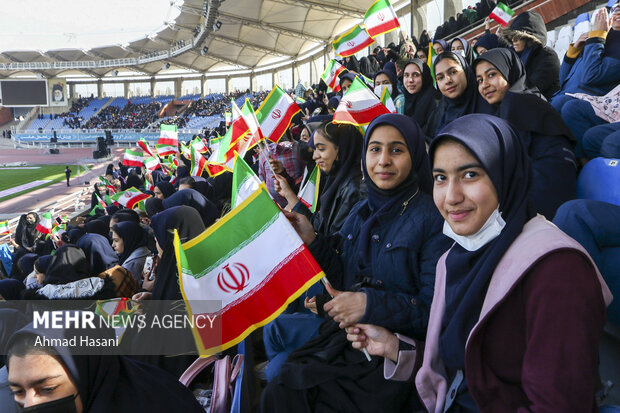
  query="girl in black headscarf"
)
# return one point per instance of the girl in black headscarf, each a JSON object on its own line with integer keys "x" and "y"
{"x": 26, "y": 234}
{"x": 440, "y": 46}
{"x": 386, "y": 79}
{"x": 100, "y": 254}
{"x": 500, "y": 289}
{"x": 419, "y": 94}
{"x": 129, "y": 241}
{"x": 90, "y": 383}
{"x": 69, "y": 263}
{"x": 74, "y": 235}
{"x": 389, "y": 246}
{"x": 163, "y": 190}
{"x": 190, "y": 197}
{"x": 97, "y": 226}
{"x": 490, "y": 41}
{"x": 549, "y": 142}
{"x": 134, "y": 181}
{"x": 461, "y": 46}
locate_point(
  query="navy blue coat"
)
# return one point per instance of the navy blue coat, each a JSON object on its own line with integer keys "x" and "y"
{"x": 406, "y": 245}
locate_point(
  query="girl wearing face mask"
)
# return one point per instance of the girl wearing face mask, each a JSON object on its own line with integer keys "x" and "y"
{"x": 510, "y": 278}
{"x": 457, "y": 83}
{"x": 549, "y": 142}
{"x": 386, "y": 79}
{"x": 461, "y": 46}
{"x": 420, "y": 98}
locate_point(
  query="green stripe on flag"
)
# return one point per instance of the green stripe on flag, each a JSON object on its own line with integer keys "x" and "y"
{"x": 236, "y": 230}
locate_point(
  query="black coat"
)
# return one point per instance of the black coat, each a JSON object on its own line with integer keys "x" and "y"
{"x": 543, "y": 71}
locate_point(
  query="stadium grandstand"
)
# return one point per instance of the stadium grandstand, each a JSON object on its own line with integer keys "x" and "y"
{"x": 236, "y": 193}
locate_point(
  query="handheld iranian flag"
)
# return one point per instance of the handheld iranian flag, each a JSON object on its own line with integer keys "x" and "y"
{"x": 198, "y": 162}
{"x": 228, "y": 118}
{"x": 380, "y": 18}
{"x": 331, "y": 75}
{"x": 502, "y": 14}
{"x": 236, "y": 139}
{"x": 309, "y": 194}
{"x": 4, "y": 227}
{"x": 431, "y": 61}
{"x": 276, "y": 113}
{"x": 359, "y": 106}
{"x": 199, "y": 144}
{"x": 247, "y": 111}
{"x": 151, "y": 163}
{"x": 132, "y": 158}
{"x": 185, "y": 151}
{"x": 387, "y": 100}
{"x": 213, "y": 167}
{"x": 130, "y": 197}
{"x": 228, "y": 263}
{"x": 100, "y": 201}
{"x": 168, "y": 142}
{"x": 45, "y": 224}
{"x": 352, "y": 41}
{"x": 107, "y": 184}
{"x": 144, "y": 145}
{"x": 244, "y": 182}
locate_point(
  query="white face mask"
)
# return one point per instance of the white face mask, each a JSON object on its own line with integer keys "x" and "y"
{"x": 461, "y": 52}
{"x": 379, "y": 90}
{"x": 489, "y": 231}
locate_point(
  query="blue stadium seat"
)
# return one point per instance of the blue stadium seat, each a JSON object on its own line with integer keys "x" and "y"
{"x": 600, "y": 180}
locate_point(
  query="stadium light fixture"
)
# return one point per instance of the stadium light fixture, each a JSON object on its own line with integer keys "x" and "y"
{"x": 217, "y": 26}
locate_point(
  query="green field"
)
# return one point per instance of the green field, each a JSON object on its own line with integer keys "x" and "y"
{"x": 10, "y": 178}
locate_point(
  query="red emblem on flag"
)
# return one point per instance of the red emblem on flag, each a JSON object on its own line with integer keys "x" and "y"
{"x": 276, "y": 114}
{"x": 381, "y": 16}
{"x": 348, "y": 104}
{"x": 350, "y": 43}
{"x": 235, "y": 279}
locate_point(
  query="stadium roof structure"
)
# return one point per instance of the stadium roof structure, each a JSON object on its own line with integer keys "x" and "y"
{"x": 205, "y": 36}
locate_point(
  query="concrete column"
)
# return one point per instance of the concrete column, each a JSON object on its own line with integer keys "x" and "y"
{"x": 178, "y": 88}
{"x": 294, "y": 75}
{"x": 126, "y": 89}
{"x": 72, "y": 91}
{"x": 99, "y": 88}
{"x": 274, "y": 79}
{"x": 152, "y": 87}
{"x": 418, "y": 19}
{"x": 253, "y": 83}
{"x": 203, "y": 84}
{"x": 227, "y": 82}
{"x": 450, "y": 8}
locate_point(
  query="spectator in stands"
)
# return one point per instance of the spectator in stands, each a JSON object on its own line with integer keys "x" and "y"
{"x": 440, "y": 46}
{"x": 190, "y": 197}
{"x": 388, "y": 247}
{"x": 386, "y": 79}
{"x": 456, "y": 81}
{"x": 351, "y": 64}
{"x": 50, "y": 378}
{"x": 499, "y": 290}
{"x": 98, "y": 251}
{"x": 592, "y": 64}
{"x": 129, "y": 241}
{"x": 425, "y": 39}
{"x": 461, "y": 46}
{"x": 528, "y": 35}
{"x": 422, "y": 54}
{"x": 187, "y": 182}
{"x": 549, "y": 142}
{"x": 163, "y": 190}
{"x": 490, "y": 41}
{"x": 419, "y": 98}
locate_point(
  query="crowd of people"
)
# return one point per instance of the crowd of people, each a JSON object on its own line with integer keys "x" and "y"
{"x": 461, "y": 274}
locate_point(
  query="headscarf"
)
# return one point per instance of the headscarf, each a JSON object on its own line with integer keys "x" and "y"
{"x": 111, "y": 209}
{"x": 166, "y": 188}
{"x": 26, "y": 263}
{"x": 469, "y": 53}
{"x": 26, "y": 234}
{"x": 68, "y": 264}
{"x": 133, "y": 238}
{"x": 524, "y": 108}
{"x": 191, "y": 197}
{"x": 42, "y": 263}
{"x": 100, "y": 254}
{"x": 393, "y": 80}
{"x": 443, "y": 43}
{"x": 10, "y": 288}
{"x": 159, "y": 176}
{"x": 153, "y": 206}
{"x": 97, "y": 226}
{"x": 114, "y": 383}
{"x": 380, "y": 200}
{"x": 187, "y": 221}
{"x": 133, "y": 180}
{"x": 420, "y": 106}
{"x": 492, "y": 41}
{"x": 470, "y": 100}
{"x": 75, "y": 234}
{"x": 347, "y": 76}
{"x": 502, "y": 154}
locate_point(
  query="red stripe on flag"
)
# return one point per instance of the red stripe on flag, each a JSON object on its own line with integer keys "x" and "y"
{"x": 382, "y": 28}
{"x": 357, "y": 48}
{"x": 129, "y": 162}
{"x": 361, "y": 117}
{"x": 285, "y": 123}
{"x": 133, "y": 201}
{"x": 272, "y": 296}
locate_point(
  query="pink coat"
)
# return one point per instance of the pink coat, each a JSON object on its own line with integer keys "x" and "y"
{"x": 539, "y": 238}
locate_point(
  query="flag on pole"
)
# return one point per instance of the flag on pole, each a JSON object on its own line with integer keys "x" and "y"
{"x": 331, "y": 75}
{"x": 228, "y": 118}
{"x": 198, "y": 162}
{"x": 352, "y": 41}
{"x": 132, "y": 158}
{"x": 168, "y": 142}
{"x": 199, "y": 144}
{"x": 94, "y": 210}
{"x": 236, "y": 139}
{"x": 164, "y": 150}
{"x": 247, "y": 111}
{"x": 107, "y": 184}
{"x": 213, "y": 167}
{"x": 309, "y": 194}
{"x": 502, "y": 14}
{"x": 151, "y": 163}
{"x": 244, "y": 183}
{"x": 100, "y": 201}
{"x": 4, "y": 227}
{"x": 431, "y": 61}
{"x": 130, "y": 197}
{"x": 227, "y": 263}
{"x": 144, "y": 145}
{"x": 359, "y": 105}
{"x": 276, "y": 113}
{"x": 380, "y": 18}
{"x": 45, "y": 224}
{"x": 387, "y": 100}
{"x": 185, "y": 151}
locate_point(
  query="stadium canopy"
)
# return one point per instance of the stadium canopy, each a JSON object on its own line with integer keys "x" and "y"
{"x": 151, "y": 36}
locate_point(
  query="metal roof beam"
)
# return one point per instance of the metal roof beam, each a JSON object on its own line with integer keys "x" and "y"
{"x": 330, "y": 8}
{"x": 252, "y": 46}
{"x": 257, "y": 24}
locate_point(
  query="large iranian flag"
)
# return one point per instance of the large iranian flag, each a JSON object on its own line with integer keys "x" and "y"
{"x": 309, "y": 194}
{"x": 502, "y": 14}
{"x": 228, "y": 263}
{"x": 130, "y": 197}
{"x": 359, "y": 106}
{"x": 199, "y": 144}
{"x": 331, "y": 75}
{"x": 276, "y": 113}
{"x": 45, "y": 224}
{"x": 198, "y": 162}
{"x": 352, "y": 41}
{"x": 244, "y": 182}
{"x": 168, "y": 142}
{"x": 132, "y": 158}
{"x": 144, "y": 145}
{"x": 380, "y": 18}
{"x": 151, "y": 163}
